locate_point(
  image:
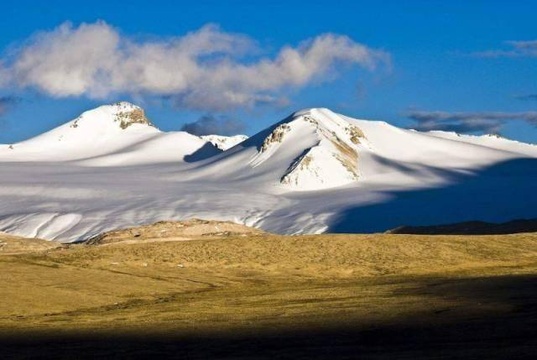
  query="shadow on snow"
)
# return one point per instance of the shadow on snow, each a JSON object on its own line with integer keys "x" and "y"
{"x": 502, "y": 192}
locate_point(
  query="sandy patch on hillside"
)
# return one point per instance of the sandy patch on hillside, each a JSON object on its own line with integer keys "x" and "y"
{"x": 10, "y": 244}
{"x": 174, "y": 231}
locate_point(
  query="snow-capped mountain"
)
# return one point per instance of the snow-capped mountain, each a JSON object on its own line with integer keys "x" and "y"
{"x": 118, "y": 134}
{"x": 315, "y": 171}
{"x": 324, "y": 147}
{"x": 317, "y": 149}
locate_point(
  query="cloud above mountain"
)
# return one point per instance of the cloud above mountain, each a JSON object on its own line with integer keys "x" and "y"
{"x": 207, "y": 69}
{"x": 526, "y": 48}
{"x": 467, "y": 122}
{"x": 211, "y": 125}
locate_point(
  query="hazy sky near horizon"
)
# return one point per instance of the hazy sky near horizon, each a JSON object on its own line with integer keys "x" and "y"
{"x": 465, "y": 66}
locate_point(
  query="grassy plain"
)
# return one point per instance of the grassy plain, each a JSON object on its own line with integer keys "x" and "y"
{"x": 268, "y": 296}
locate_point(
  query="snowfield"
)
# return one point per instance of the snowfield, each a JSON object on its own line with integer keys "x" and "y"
{"x": 313, "y": 172}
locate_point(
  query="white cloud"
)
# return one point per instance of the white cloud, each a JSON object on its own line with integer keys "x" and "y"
{"x": 69, "y": 61}
{"x": 205, "y": 69}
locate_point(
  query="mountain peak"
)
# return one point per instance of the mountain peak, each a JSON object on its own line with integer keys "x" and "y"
{"x": 326, "y": 120}
{"x": 123, "y": 113}
{"x": 311, "y": 112}
{"x": 323, "y": 145}
{"x": 96, "y": 131}
{"x": 108, "y": 120}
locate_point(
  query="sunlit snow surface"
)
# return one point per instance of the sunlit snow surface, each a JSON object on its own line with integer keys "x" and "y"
{"x": 313, "y": 172}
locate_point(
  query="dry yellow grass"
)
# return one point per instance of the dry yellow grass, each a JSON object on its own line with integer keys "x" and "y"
{"x": 10, "y": 245}
{"x": 268, "y": 283}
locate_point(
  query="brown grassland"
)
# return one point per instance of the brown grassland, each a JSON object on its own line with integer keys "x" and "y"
{"x": 267, "y": 296}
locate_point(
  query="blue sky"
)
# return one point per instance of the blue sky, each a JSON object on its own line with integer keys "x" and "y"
{"x": 469, "y": 66}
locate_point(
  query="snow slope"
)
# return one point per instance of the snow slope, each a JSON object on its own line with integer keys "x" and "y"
{"x": 224, "y": 142}
{"x": 490, "y": 140}
{"x": 312, "y": 172}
